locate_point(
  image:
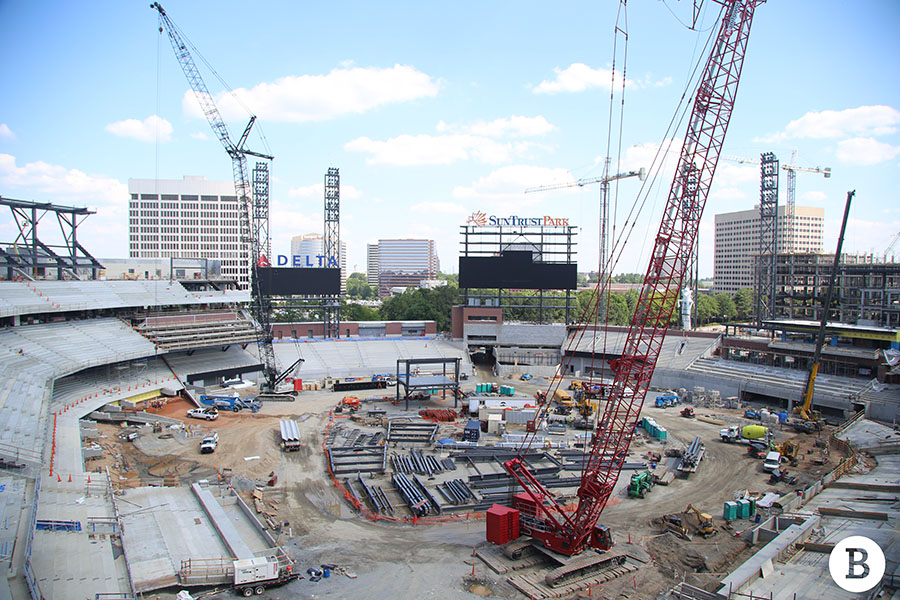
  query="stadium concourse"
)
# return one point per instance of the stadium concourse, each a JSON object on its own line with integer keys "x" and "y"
{"x": 70, "y": 348}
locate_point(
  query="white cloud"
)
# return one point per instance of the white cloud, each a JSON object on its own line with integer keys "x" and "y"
{"x": 199, "y": 135}
{"x": 317, "y": 191}
{"x": 510, "y": 182}
{"x": 6, "y": 133}
{"x": 863, "y": 120}
{"x": 814, "y": 196}
{"x": 424, "y": 149}
{"x": 148, "y": 130}
{"x": 478, "y": 141}
{"x": 515, "y": 126}
{"x": 728, "y": 193}
{"x": 431, "y": 207}
{"x": 343, "y": 91}
{"x": 579, "y": 77}
{"x": 103, "y": 234}
{"x": 865, "y": 151}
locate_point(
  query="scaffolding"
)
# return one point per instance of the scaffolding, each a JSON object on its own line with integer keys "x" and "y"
{"x": 412, "y": 379}
{"x": 553, "y": 244}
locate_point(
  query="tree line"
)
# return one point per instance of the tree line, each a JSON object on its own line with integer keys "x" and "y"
{"x": 436, "y": 305}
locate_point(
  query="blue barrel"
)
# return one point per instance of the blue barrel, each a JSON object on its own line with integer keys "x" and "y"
{"x": 326, "y": 572}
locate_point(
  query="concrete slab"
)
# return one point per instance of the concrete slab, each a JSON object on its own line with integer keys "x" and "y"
{"x": 805, "y": 575}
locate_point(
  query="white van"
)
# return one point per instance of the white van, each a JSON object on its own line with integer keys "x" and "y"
{"x": 772, "y": 462}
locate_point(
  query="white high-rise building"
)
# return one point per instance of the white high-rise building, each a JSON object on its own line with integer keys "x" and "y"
{"x": 372, "y": 265}
{"x": 308, "y": 251}
{"x": 188, "y": 218}
{"x": 737, "y": 243}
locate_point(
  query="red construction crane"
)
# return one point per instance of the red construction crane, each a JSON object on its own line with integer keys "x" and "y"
{"x": 540, "y": 515}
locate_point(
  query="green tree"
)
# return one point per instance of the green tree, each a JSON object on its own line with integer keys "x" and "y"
{"x": 358, "y": 287}
{"x": 727, "y": 309}
{"x": 352, "y": 311}
{"x": 707, "y": 309}
{"x": 618, "y": 313}
{"x": 628, "y": 278}
{"x": 743, "y": 303}
{"x": 631, "y": 298}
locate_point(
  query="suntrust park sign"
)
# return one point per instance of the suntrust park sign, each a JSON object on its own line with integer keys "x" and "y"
{"x": 481, "y": 219}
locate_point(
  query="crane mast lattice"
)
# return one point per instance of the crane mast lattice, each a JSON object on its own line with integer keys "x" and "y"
{"x": 570, "y": 533}
{"x": 250, "y": 231}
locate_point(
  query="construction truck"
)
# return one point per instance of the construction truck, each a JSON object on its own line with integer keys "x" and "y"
{"x": 562, "y": 398}
{"x": 641, "y": 483}
{"x": 209, "y": 443}
{"x": 743, "y": 435}
{"x": 233, "y": 403}
{"x": 666, "y": 400}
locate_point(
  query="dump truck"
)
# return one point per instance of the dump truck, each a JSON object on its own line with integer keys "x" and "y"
{"x": 290, "y": 435}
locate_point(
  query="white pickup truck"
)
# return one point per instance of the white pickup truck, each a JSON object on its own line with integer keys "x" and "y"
{"x": 209, "y": 413}
{"x": 209, "y": 443}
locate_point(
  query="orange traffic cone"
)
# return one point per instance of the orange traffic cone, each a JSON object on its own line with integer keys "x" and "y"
{"x": 70, "y": 479}
{"x": 58, "y": 478}
{"x": 89, "y": 478}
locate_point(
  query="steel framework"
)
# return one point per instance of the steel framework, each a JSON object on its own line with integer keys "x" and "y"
{"x": 261, "y": 209}
{"x": 768, "y": 237}
{"x": 552, "y": 243}
{"x": 27, "y": 255}
{"x": 569, "y": 533}
{"x": 331, "y": 309}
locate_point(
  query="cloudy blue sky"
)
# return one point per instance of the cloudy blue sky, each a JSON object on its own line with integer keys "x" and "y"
{"x": 434, "y": 111}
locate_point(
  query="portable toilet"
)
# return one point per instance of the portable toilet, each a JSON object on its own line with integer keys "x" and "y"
{"x": 731, "y": 511}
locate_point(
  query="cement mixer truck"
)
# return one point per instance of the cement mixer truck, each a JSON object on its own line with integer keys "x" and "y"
{"x": 744, "y": 435}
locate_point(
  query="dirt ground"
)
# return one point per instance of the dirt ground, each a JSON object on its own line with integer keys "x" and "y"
{"x": 435, "y": 561}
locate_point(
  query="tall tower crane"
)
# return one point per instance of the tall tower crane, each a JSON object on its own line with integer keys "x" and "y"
{"x": 603, "y": 180}
{"x": 770, "y": 241}
{"x": 890, "y": 249}
{"x": 250, "y": 232}
{"x": 541, "y": 515}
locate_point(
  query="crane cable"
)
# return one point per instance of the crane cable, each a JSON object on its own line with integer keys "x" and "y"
{"x": 196, "y": 52}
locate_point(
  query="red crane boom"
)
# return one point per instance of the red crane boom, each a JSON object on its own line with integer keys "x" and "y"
{"x": 541, "y": 516}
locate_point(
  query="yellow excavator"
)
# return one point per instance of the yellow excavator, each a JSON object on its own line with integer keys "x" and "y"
{"x": 690, "y": 519}
{"x": 789, "y": 450}
{"x": 808, "y": 419}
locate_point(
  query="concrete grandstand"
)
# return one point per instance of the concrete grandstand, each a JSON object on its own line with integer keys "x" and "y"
{"x": 72, "y": 348}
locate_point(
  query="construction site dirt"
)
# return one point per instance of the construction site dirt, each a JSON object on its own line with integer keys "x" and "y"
{"x": 404, "y": 557}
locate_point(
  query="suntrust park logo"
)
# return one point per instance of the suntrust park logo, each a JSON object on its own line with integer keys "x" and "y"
{"x": 480, "y": 219}
{"x": 856, "y": 564}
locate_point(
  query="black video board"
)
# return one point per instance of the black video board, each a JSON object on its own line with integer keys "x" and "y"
{"x": 293, "y": 281}
{"x": 515, "y": 269}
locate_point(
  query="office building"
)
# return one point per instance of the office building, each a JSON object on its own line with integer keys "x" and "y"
{"x": 307, "y": 251}
{"x": 403, "y": 263}
{"x": 372, "y": 265}
{"x": 737, "y": 243}
{"x": 188, "y": 218}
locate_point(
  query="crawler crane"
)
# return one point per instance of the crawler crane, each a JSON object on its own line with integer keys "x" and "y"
{"x": 541, "y": 516}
